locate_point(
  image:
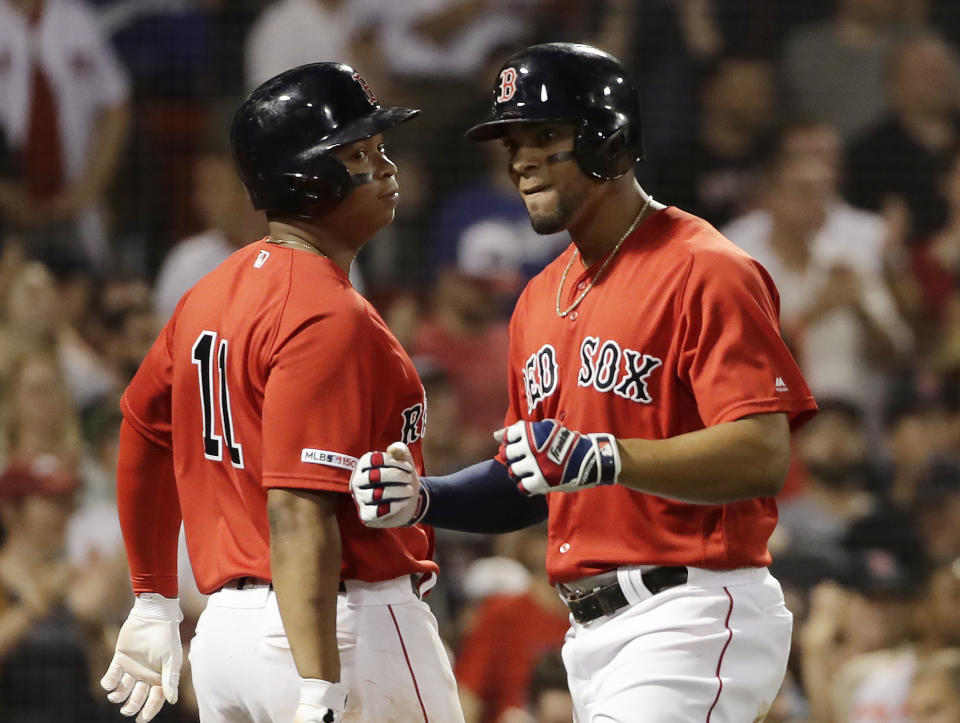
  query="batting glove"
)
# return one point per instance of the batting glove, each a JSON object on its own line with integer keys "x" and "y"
{"x": 145, "y": 669}
{"x": 321, "y": 702}
{"x": 386, "y": 488}
{"x": 548, "y": 457}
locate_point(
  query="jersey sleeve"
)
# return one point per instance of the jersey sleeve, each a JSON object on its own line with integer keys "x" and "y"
{"x": 731, "y": 356}
{"x": 318, "y": 403}
{"x": 146, "y": 404}
{"x": 149, "y": 510}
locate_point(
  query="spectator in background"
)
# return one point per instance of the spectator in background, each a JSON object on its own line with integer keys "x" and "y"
{"x": 903, "y": 157}
{"x": 229, "y": 217}
{"x": 799, "y": 573}
{"x": 38, "y": 413}
{"x": 129, "y": 338}
{"x": 834, "y": 448}
{"x": 935, "y": 261}
{"x": 826, "y": 260}
{"x": 168, "y": 48}
{"x": 872, "y": 609}
{"x": 494, "y": 686}
{"x": 442, "y": 448}
{"x": 6, "y": 181}
{"x": 937, "y": 508}
{"x": 289, "y": 33}
{"x": 834, "y": 71}
{"x": 34, "y": 318}
{"x": 550, "y": 701}
{"x": 917, "y": 428}
{"x": 484, "y": 231}
{"x": 944, "y": 15}
{"x": 715, "y": 175}
{"x": 466, "y": 337}
{"x": 65, "y": 116}
{"x": 672, "y": 42}
{"x": 43, "y": 666}
{"x": 764, "y": 27}
{"x": 935, "y": 689}
{"x": 448, "y": 40}
{"x": 876, "y": 686}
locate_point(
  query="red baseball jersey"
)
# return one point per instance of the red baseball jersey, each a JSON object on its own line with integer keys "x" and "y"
{"x": 275, "y": 372}
{"x": 679, "y": 333}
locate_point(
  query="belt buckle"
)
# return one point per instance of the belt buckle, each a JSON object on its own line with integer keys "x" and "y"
{"x": 589, "y": 601}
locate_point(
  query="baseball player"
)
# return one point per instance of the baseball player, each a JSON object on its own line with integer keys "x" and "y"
{"x": 651, "y": 401}
{"x": 247, "y": 416}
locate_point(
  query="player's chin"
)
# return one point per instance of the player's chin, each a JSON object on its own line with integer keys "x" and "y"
{"x": 379, "y": 215}
{"x": 547, "y": 223}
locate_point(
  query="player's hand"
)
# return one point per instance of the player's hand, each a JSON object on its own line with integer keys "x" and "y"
{"x": 386, "y": 488}
{"x": 321, "y": 702}
{"x": 145, "y": 669}
{"x": 548, "y": 457}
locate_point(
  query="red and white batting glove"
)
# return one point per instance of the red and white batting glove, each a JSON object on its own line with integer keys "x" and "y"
{"x": 386, "y": 488}
{"x": 321, "y": 702}
{"x": 548, "y": 457}
{"x": 145, "y": 669}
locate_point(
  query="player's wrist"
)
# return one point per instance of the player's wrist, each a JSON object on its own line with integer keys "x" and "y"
{"x": 423, "y": 503}
{"x": 323, "y": 694}
{"x": 608, "y": 457}
{"x": 154, "y": 606}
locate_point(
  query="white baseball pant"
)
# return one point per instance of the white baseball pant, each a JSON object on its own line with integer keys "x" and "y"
{"x": 392, "y": 660}
{"x": 711, "y": 651}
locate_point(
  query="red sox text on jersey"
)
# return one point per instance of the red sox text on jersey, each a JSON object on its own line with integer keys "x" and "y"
{"x": 606, "y": 366}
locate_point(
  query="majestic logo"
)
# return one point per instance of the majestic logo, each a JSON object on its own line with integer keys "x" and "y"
{"x": 414, "y": 420}
{"x": 540, "y": 376}
{"x": 508, "y": 84}
{"x": 780, "y": 385}
{"x": 261, "y": 259}
{"x": 366, "y": 88}
{"x": 608, "y": 368}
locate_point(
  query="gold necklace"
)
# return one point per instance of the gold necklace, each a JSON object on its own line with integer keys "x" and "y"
{"x": 609, "y": 258}
{"x": 296, "y": 242}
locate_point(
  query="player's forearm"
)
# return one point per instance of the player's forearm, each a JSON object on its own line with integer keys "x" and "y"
{"x": 482, "y": 499}
{"x": 733, "y": 461}
{"x": 149, "y": 511}
{"x": 305, "y": 563}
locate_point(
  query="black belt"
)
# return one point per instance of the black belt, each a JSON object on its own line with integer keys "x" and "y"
{"x": 414, "y": 583}
{"x": 245, "y": 583}
{"x": 592, "y": 597}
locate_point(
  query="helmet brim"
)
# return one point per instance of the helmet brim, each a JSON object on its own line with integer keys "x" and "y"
{"x": 490, "y": 130}
{"x": 366, "y": 127}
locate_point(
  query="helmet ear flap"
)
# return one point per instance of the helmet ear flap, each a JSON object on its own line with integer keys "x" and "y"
{"x": 605, "y": 157}
{"x": 321, "y": 188}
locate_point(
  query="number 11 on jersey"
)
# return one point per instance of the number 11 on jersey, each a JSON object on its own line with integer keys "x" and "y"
{"x": 202, "y": 352}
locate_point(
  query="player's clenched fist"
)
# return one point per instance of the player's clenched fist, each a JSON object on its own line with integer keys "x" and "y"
{"x": 548, "y": 457}
{"x": 145, "y": 669}
{"x": 386, "y": 487}
{"x": 321, "y": 702}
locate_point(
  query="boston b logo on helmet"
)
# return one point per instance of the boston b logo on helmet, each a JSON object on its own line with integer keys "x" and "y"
{"x": 571, "y": 83}
{"x": 283, "y": 134}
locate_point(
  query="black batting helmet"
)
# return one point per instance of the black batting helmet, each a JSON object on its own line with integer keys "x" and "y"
{"x": 283, "y": 133}
{"x": 575, "y": 83}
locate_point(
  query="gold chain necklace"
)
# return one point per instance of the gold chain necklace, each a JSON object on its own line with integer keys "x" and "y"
{"x": 606, "y": 263}
{"x": 296, "y": 242}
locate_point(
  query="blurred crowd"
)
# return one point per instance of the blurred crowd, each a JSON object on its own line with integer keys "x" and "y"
{"x": 823, "y": 137}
